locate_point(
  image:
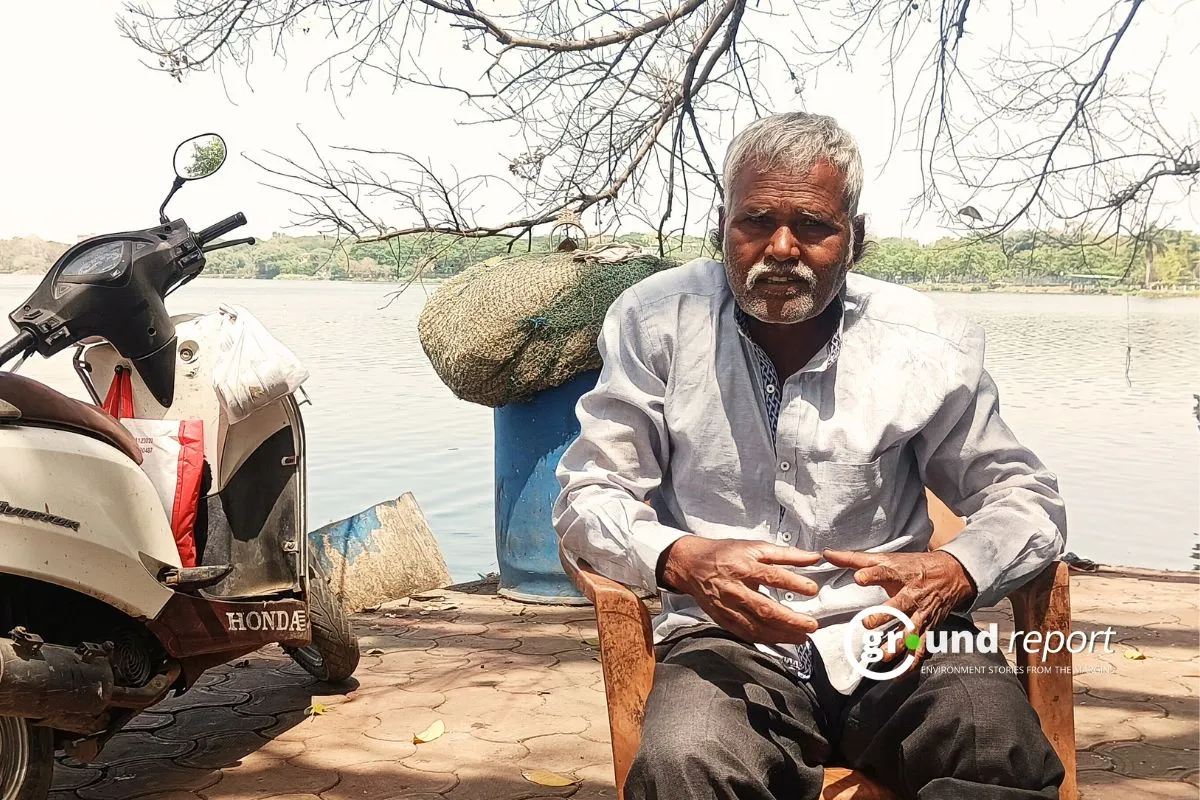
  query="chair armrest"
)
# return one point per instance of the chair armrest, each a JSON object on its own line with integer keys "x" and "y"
{"x": 1044, "y": 605}
{"x": 626, "y": 658}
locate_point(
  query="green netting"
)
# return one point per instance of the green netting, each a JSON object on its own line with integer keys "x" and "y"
{"x": 512, "y": 326}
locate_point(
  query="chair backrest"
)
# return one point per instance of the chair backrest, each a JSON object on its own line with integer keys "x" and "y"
{"x": 946, "y": 524}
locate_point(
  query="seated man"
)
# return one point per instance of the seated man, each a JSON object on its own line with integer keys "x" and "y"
{"x": 785, "y": 416}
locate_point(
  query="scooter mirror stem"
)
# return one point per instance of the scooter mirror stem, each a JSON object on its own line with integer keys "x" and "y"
{"x": 162, "y": 210}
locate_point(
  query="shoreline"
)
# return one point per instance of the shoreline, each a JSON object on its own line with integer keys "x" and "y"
{"x": 1115, "y": 291}
{"x": 949, "y": 288}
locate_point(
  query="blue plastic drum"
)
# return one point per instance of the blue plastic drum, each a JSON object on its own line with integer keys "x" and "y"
{"x": 530, "y": 439}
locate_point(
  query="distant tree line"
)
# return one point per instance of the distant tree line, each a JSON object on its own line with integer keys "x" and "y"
{"x": 1163, "y": 258}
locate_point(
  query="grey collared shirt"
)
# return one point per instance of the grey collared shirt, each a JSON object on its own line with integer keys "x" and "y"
{"x": 897, "y": 401}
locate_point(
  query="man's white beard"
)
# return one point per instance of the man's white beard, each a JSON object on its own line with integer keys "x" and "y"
{"x": 805, "y": 305}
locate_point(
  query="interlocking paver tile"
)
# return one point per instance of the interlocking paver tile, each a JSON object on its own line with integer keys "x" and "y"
{"x": 394, "y": 700}
{"x": 564, "y": 753}
{"x": 1174, "y": 726}
{"x": 134, "y": 779}
{"x": 269, "y": 701}
{"x": 290, "y": 726}
{"x": 463, "y": 754}
{"x": 527, "y": 629}
{"x": 548, "y": 645}
{"x": 198, "y": 723}
{"x": 270, "y": 780}
{"x": 138, "y": 746}
{"x": 590, "y": 791}
{"x": 1145, "y": 760}
{"x": 70, "y": 777}
{"x": 223, "y": 750}
{"x": 402, "y": 724}
{"x": 505, "y": 786}
{"x": 1098, "y": 720}
{"x": 597, "y": 731}
{"x": 430, "y": 628}
{"x": 506, "y": 660}
{"x": 516, "y": 722}
{"x": 214, "y": 677}
{"x": 261, "y": 675}
{"x": 220, "y": 696}
{"x": 455, "y": 676}
{"x": 1095, "y": 785}
{"x": 404, "y": 660}
{"x": 387, "y": 780}
{"x": 468, "y": 645}
{"x": 280, "y": 749}
{"x": 1090, "y": 759}
{"x": 148, "y": 721}
{"x": 598, "y": 775}
{"x": 337, "y": 750}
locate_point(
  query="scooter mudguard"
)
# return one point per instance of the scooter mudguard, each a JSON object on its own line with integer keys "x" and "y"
{"x": 77, "y": 512}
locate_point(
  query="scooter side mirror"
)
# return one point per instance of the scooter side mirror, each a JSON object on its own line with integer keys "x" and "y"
{"x": 195, "y": 158}
{"x": 199, "y": 157}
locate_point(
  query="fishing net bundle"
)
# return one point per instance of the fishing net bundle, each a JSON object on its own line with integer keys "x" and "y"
{"x": 505, "y": 329}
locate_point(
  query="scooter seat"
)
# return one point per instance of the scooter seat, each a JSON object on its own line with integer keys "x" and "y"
{"x": 38, "y": 404}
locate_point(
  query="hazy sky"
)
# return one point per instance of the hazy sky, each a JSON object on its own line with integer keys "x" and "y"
{"x": 87, "y": 131}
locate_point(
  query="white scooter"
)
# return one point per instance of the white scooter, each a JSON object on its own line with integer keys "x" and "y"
{"x": 98, "y": 617}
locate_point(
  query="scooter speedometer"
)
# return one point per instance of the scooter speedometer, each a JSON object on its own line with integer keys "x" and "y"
{"x": 107, "y": 261}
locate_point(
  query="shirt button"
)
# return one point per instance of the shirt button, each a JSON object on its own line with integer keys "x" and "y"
{"x": 785, "y": 466}
{"x": 770, "y": 388}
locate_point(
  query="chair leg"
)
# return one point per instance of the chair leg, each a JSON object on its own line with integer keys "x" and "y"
{"x": 626, "y": 659}
{"x": 1044, "y": 605}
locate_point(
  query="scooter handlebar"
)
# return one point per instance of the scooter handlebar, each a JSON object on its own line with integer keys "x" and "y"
{"x": 219, "y": 229}
{"x": 11, "y": 349}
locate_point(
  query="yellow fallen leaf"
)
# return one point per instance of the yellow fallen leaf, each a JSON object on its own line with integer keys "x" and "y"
{"x": 592, "y": 642}
{"x": 1133, "y": 654}
{"x": 315, "y": 710}
{"x": 375, "y": 651}
{"x": 429, "y": 734}
{"x": 544, "y": 778}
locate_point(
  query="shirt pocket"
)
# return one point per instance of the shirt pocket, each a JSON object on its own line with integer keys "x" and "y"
{"x": 851, "y": 505}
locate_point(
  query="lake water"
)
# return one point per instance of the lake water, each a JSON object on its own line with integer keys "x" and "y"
{"x": 1127, "y": 451}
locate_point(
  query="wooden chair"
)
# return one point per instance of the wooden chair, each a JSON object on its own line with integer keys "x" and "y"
{"x": 627, "y": 659}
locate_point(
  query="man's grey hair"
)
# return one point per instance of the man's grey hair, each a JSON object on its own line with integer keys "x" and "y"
{"x": 796, "y": 141}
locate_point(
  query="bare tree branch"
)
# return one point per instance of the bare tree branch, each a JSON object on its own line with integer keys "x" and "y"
{"x": 621, "y": 105}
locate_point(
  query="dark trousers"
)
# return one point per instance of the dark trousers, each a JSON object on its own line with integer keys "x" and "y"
{"x": 726, "y": 721}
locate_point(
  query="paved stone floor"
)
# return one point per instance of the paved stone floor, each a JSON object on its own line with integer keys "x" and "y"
{"x": 518, "y": 688}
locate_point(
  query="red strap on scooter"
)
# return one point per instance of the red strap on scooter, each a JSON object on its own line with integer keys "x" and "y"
{"x": 119, "y": 400}
{"x": 190, "y": 467}
{"x": 187, "y": 489}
